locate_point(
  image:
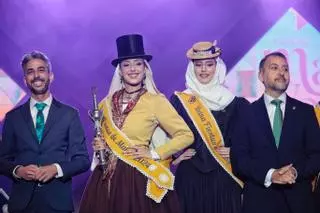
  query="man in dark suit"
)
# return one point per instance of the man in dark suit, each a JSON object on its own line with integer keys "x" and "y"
{"x": 276, "y": 147}
{"x": 43, "y": 145}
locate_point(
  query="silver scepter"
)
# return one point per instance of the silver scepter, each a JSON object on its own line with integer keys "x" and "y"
{"x": 96, "y": 117}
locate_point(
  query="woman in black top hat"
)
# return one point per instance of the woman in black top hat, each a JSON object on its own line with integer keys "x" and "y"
{"x": 204, "y": 179}
{"x": 137, "y": 178}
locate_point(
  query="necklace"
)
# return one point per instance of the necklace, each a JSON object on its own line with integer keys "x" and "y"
{"x": 135, "y": 91}
{"x": 126, "y": 98}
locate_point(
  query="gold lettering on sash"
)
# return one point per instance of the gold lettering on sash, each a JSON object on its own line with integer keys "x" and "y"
{"x": 207, "y": 128}
{"x": 160, "y": 178}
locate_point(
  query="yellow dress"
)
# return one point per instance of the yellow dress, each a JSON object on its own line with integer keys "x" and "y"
{"x": 128, "y": 186}
{"x": 150, "y": 112}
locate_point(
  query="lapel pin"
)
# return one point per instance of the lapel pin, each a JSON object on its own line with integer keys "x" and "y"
{"x": 294, "y": 107}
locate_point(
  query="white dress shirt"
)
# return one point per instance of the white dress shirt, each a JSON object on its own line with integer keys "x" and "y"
{"x": 45, "y": 112}
{"x": 271, "y": 108}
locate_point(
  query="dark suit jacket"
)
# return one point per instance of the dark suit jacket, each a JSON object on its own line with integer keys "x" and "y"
{"x": 63, "y": 143}
{"x": 203, "y": 160}
{"x": 254, "y": 152}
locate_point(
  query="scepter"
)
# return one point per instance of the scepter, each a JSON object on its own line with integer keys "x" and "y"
{"x": 96, "y": 117}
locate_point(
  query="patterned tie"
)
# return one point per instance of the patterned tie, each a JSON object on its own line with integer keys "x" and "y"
{"x": 277, "y": 121}
{"x": 40, "y": 120}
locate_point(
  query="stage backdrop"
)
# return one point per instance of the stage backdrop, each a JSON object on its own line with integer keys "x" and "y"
{"x": 299, "y": 40}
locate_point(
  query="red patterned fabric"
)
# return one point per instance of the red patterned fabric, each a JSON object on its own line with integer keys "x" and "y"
{"x": 119, "y": 115}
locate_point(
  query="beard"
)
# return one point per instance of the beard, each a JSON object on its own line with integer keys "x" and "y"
{"x": 280, "y": 86}
{"x": 39, "y": 91}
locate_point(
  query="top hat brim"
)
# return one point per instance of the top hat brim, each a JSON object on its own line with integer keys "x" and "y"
{"x": 116, "y": 61}
{"x": 192, "y": 56}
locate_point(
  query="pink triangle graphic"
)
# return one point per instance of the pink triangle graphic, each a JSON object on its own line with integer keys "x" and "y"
{"x": 300, "y": 21}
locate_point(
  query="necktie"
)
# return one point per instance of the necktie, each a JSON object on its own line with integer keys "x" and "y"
{"x": 277, "y": 121}
{"x": 40, "y": 120}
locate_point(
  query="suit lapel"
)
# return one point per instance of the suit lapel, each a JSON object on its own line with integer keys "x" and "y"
{"x": 262, "y": 116}
{"x": 53, "y": 116}
{"x": 26, "y": 114}
{"x": 231, "y": 109}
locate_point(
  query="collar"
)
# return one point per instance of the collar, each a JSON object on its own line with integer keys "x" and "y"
{"x": 267, "y": 98}
{"x": 48, "y": 101}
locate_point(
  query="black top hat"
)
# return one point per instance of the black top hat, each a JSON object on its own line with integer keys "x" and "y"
{"x": 130, "y": 46}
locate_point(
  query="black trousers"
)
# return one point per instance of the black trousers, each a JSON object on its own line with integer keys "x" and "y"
{"x": 38, "y": 205}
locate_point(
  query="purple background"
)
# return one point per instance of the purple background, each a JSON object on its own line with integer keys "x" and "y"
{"x": 79, "y": 38}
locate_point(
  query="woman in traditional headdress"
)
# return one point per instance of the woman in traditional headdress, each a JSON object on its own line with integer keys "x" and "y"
{"x": 137, "y": 178}
{"x": 204, "y": 179}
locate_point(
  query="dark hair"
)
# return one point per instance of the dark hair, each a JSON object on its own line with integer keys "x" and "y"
{"x": 279, "y": 54}
{"x": 35, "y": 55}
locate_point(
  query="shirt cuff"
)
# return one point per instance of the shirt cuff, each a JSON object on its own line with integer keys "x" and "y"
{"x": 14, "y": 172}
{"x": 154, "y": 155}
{"x": 59, "y": 171}
{"x": 267, "y": 180}
{"x": 295, "y": 173}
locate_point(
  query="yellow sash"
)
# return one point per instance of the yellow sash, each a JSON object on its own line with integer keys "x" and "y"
{"x": 316, "y": 180}
{"x": 317, "y": 111}
{"x": 160, "y": 178}
{"x": 207, "y": 128}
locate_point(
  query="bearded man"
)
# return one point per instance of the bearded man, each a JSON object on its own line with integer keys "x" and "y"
{"x": 43, "y": 145}
{"x": 276, "y": 149}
